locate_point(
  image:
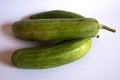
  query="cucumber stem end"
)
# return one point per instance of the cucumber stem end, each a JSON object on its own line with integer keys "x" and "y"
{"x": 107, "y": 28}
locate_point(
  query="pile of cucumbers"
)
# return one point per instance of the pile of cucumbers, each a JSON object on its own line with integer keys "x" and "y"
{"x": 74, "y": 32}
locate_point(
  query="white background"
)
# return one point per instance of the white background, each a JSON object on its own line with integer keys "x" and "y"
{"x": 102, "y": 61}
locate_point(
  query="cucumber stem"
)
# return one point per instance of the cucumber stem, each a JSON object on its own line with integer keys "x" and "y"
{"x": 107, "y": 28}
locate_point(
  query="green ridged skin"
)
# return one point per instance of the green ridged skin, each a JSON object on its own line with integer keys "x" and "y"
{"x": 55, "y": 14}
{"x": 56, "y": 29}
{"x": 51, "y": 56}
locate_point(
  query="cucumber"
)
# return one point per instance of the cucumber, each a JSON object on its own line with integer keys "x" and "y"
{"x": 56, "y": 29}
{"x": 56, "y": 58}
{"x": 51, "y": 56}
{"x": 56, "y": 14}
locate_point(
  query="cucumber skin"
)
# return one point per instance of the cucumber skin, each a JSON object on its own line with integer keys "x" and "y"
{"x": 55, "y": 14}
{"x": 56, "y": 29}
{"x": 31, "y": 51}
{"x": 51, "y": 56}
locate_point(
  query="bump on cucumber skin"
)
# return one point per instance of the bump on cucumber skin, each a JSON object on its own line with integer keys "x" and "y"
{"x": 51, "y": 56}
{"x": 55, "y": 14}
{"x": 56, "y": 29}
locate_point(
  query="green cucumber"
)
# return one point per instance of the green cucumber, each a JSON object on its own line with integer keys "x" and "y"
{"x": 56, "y": 29}
{"x": 51, "y": 56}
{"x": 55, "y": 14}
{"x": 58, "y": 15}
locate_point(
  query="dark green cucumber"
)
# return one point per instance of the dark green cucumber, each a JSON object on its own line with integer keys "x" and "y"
{"x": 56, "y": 29}
{"x": 55, "y": 14}
{"x": 51, "y": 56}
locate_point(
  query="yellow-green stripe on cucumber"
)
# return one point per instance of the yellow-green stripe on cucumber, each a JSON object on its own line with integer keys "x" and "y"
{"x": 56, "y": 29}
{"x": 51, "y": 56}
{"x": 55, "y": 14}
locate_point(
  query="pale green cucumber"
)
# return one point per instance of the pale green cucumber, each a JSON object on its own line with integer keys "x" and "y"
{"x": 51, "y": 56}
{"x": 56, "y": 29}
